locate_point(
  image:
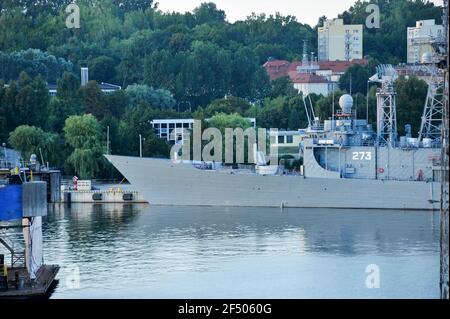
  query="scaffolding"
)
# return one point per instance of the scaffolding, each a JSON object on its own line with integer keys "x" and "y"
{"x": 386, "y": 105}
{"x": 431, "y": 125}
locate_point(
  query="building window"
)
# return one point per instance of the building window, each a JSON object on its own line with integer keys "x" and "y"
{"x": 280, "y": 139}
{"x": 289, "y": 139}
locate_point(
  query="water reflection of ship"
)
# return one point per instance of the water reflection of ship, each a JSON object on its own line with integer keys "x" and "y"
{"x": 87, "y": 221}
{"x": 338, "y": 231}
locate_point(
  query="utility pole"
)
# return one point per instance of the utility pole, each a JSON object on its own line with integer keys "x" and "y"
{"x": 332, "y": 111}
{"x": 107, "y": 140}
{"x": 140, "y": 145}
{"x": 367, "y": 103}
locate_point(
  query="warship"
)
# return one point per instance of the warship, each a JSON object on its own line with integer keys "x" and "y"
{"x": 346, "y": 164}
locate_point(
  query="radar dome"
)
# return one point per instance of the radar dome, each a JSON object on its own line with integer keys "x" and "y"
{"x": 427, "y": 58}
{"x": 346, "y": 103}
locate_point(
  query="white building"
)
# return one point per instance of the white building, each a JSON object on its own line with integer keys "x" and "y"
{"x": 337, "y": 41}
{"x": 311, "y": 83}
{"x": 419, "y": 38}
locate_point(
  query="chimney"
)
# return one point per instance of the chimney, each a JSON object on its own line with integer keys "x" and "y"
{"x": 84, "y": 76}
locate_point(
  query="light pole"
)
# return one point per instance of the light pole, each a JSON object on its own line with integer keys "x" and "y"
{"x": 140, "y": 145}
{"x": 107, "y": 140}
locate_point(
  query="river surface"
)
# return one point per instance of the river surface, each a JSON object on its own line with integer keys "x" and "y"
{"x": 139, "y": 251}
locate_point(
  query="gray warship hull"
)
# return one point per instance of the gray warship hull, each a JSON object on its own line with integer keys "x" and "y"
{"x": 164, "y": 182}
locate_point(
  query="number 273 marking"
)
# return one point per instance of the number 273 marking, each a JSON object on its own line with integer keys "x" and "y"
{"x": 361, "y": 156}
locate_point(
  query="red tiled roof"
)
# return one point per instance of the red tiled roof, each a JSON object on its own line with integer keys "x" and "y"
{"x": 276, "y": 68}
{"x": 293, "y": 66}
{"x": 276, "y": 63}
{"x": 306, "y": 78}
{"x": 280, "y": 68}
{"x": 340, "y": 66}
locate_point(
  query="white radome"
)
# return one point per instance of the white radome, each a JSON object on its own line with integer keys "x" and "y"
{"x": 427, "y": 58}
{"x": 346, "y": 103}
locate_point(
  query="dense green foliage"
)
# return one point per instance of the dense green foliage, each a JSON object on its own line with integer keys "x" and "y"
{"x": 33, "y": 140}
{"x": 170, "y": 65}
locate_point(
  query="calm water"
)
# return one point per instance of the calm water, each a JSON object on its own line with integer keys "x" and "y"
{"x": 138, "y": 251}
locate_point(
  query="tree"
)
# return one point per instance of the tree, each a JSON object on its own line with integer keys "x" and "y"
{"x": 3, "y": 113}
{"x": 143, "y": 94}
{"x": 282, "y": 87}
{"x": 228, "y": 105}
{"x": 9, "y": 103}
{"x": 41, "y": 100}
{"x": 411, "y": 94}
{"x": 33, "y": 140}
{"x": 275, "y": 113}
{"x": 355, "y": 79}
{"x": 324, "y": 105}
{"x": 24, "y": 100}
{"x": 102, "y": 69}
{"x": 155, "y": 147}
{"x": 83, "y": 134}
{"x": 294, "y": 122}
{"x": 67, "y": 102}
{"x": 93, "y": 100}
{"x": 34, "y": 62}
{"x": 208, "y": 13}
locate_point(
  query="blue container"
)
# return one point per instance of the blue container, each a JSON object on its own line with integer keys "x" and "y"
{"x": 10, "y": 202}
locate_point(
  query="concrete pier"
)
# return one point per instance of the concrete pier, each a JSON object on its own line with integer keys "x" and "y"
{"x": 106, "y": 194}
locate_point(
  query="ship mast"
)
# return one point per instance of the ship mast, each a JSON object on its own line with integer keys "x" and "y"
{"x": 386, "y": 105}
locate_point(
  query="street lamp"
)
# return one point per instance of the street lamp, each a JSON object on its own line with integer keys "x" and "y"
{"x": 140, "y": 145}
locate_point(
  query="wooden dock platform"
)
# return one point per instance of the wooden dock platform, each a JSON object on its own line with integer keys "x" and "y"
{"x": 25, "y": 287}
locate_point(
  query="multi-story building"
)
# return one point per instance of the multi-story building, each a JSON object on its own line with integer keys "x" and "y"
{"x": 420, "y": 37}
{"x": 339, "y": 41}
